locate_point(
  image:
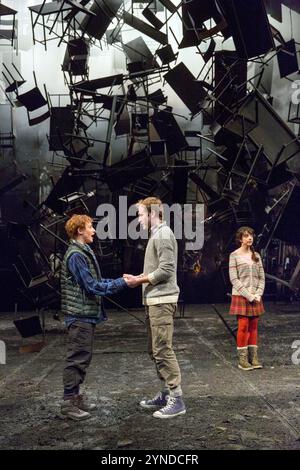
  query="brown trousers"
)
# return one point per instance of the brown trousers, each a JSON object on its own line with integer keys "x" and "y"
{"x": 160, "y": 327}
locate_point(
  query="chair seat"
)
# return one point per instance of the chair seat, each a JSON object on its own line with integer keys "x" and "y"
{"x": 39, "y": 280}
{"x": 32, "y": 99}
{"x": 14, "y": 86}
{"x": 7, "y": 34}
{"x": 295, "y": 120}
{"x": 49, "y": 8}
{"x": 6, "y": 11}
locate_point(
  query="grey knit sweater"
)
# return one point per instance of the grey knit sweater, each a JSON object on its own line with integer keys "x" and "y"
{"x": 160, "y": 264}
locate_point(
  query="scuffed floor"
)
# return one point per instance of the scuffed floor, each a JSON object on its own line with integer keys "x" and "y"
{"x": 226, "y": 408}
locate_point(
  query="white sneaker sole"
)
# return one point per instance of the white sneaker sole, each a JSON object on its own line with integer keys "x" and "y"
{"x": 161, "y": 416}
{"x": 149, "y": 407}
{"x": 243, "y": 368}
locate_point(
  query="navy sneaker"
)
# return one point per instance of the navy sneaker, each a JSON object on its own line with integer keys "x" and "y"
{"x": 174, "y": 407}
{"x": 158, "y": 401}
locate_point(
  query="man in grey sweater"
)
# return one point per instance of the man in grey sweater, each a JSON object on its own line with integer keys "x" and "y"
{"x": 160, "y": 296}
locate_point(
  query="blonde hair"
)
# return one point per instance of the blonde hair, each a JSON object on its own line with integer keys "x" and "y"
{"x": 152, "y": 203}
{"x": 238, "y": 238}
{"x": 75, "y": 222}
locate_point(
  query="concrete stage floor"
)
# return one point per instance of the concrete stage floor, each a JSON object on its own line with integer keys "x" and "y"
{"x": 226, "y": 408}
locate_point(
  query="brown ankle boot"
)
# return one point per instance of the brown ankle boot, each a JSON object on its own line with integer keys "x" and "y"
{"x": 253, "y": 358}
{"x": 84, "y": 403}
{"x": 243, "y": 359}
{"x": 70, "y": 409}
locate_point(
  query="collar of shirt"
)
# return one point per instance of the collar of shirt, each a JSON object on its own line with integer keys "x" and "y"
{"x": 87, "y": 247}
{"x": 153, "y": 230}
{"x": 83, "y": 245}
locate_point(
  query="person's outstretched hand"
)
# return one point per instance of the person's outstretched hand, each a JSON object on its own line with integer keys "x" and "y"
{"x": 131, "y": 281}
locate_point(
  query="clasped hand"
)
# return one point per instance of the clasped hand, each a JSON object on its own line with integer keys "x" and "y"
{"x": 131, "y": 280}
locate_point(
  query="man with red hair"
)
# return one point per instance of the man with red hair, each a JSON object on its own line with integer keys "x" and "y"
{"x": 82, "y": 288}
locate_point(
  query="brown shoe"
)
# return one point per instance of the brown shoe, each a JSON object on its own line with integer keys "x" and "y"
{"x": 253, "y": 357}
{"x": 243, "y": 359}
{"x": 84, "y": 404}
{"x": 70, "y": 410}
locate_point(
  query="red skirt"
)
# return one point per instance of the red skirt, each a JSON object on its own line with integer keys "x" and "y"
{"x": 241, "y": 306}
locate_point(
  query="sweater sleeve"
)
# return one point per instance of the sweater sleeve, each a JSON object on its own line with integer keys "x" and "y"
{"x": 166, "y": 261}
{"x": 233, "y": 275}
{"x": 261, "y": 278}
{"x": 78, "y": 267}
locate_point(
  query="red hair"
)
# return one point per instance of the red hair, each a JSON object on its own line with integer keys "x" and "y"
{"x": 75, "y": 222}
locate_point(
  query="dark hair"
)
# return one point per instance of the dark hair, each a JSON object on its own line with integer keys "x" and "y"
{"x": 238, "y": 238}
